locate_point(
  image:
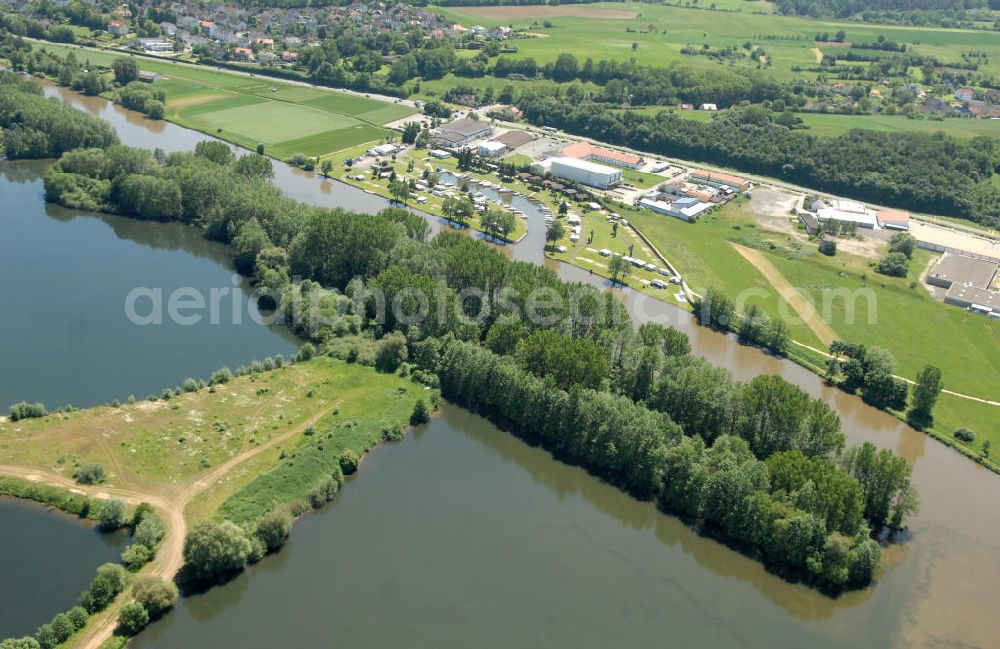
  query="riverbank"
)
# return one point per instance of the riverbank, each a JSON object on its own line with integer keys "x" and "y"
{"x": 240, "y": 447}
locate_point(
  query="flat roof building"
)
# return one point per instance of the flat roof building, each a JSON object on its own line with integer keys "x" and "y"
{"x": 585, "y": 173}
{"x": 514, "y": 139}
{"x": 961, "y": 270}
{"x": 714, "y": 179}
{"x": 685, "y": 208}
{"x": 491, "y": 149}
{"x": 894, "y": 219}
{"x": 460, "y": 132}
{"x": 588, "y": 151}
{"x": 863, "y": 219}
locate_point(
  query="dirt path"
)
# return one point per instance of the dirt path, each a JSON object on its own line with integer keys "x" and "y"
{"x": 801, "y": 306}
{"x": 819, "y": 54}
{"x": 170, "y": 555}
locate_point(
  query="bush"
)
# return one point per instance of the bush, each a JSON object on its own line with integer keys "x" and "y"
{"x": 26, "y": 410}
{"x": 965, "y": 435}
{"x": 149, "y": 531}
{"x": 26, "y": 642}
{"x": 136, "y": 556}
{"x": 306, "y": 352}
{"x": 274, "y": 527}
{"x": 211, "y": 550}
{"x": 349, "y": 461}
{"x": 221, "y": 375}
{"x": 157, "y": 595}
{"x": 110, "y": 580}
{"x": 133, "y": 618}
{"x": 78, "y": 616}
{"x": 421, "y": 413}
{"x": 393, "y": 433}
{"x": 324, "y": 492}
{"x": 111, "y": 514}
{"x": 190, "y": 385}
{"x": 391, "y": 353}
{"x": 62, "y": 627}
{"x": 89, "y": 474}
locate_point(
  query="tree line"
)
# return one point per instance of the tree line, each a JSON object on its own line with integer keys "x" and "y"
{"x": 772, "y": 485}
{"x": 37, "y": 127}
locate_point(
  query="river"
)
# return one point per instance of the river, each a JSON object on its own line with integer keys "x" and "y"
{"x": 47, "y": 558}
{"x": 464, "y": 536}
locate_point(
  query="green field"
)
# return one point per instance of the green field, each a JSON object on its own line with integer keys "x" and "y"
{"x": 287, "y": 118}
{"x": 903, "y": 317}
{"x": 787, "y": 40}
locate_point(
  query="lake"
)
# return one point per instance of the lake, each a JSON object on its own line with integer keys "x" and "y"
{"x": 65, "y": 336}
{"x": 464, "y": 536}
{"x": 47, "y": 558}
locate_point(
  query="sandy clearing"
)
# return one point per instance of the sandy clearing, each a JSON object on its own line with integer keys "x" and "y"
{"x": 818, "y": 54}
{"x": 548, "y": 11}
{"x": 794, "y": 299}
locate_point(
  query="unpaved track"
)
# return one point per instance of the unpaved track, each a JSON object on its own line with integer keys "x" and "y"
{"x": 170, "y": 555}
{"x": 794, "y": 299}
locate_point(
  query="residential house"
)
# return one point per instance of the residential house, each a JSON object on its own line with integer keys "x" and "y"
{"x": 965, "y": 93}
{"x": 243, "y": 54}
{"x": 118, "y": 28}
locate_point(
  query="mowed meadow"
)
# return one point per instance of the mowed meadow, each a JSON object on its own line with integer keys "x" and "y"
{"x": 286, "y": 118}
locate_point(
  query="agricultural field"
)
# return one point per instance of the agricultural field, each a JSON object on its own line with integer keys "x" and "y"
{"x": 286, "y": 118}
{"x": 608, "y": 30}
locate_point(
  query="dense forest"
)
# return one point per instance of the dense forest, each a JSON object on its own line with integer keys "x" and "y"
{"x": 36, "y": 127}
{"x": 946, "y": 13}
{"x": 933, "y": 173}
{"x": 760, "y": 465}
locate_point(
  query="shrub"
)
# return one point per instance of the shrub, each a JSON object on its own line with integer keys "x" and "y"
{"x": 78, "y": 616}
{"x": 393, "y": 432}
{"x": 391, "y": 353}
{"x": 965, "y": 435}
{"x": 89, "y": 474}
{"x": 149, "y": 531}
{"x": 157, "y": 595}
{"x": 133, "y": 618}
{"x": 62, "y": 627}
{"x": 324, "y": 492}
{"x": 136, "y": 556}
{"x": 110, "y": 580}
{"x": 221, "y": 375}
{"x": 111, "y": 514}
{"x": 26, "y": 410}
{"x": 213, "y": 549}
{"x": 274, "y": 527}
{"x": 26, "y": 642}
{"x": 421, "y": 413}
{"x": 190, "y": 385}
{"x": 306, "y": 352}
{"x": 349, "y": 461}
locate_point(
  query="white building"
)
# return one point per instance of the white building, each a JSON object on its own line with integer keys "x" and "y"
{"x": 492, "y": 149}
{"x": 440, "y": 154}
{"x": 382, "y": 149}
{"x": 585, "y": 173}
{"x": 683, "y": 208}
{"x": 845, "y": 212}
